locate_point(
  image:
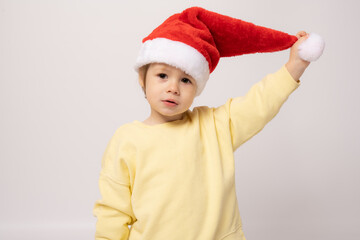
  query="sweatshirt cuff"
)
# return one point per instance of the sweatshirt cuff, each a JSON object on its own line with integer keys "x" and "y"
{"x": 285, "y": 82}
{"x": 286, "y": 75}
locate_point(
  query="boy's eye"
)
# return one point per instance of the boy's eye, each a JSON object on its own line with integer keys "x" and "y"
{"x": 162, "y": 75}
{"x": 186, "y": 80}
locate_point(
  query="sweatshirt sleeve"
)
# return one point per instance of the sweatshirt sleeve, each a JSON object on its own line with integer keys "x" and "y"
{"x": 114, "y": 212}
{"x": 250, "y": 113}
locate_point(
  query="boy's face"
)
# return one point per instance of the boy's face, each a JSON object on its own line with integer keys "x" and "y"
{"x": 169, "y": 91}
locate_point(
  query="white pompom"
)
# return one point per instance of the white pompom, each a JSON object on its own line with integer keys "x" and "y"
{"x": 312, "y": 48}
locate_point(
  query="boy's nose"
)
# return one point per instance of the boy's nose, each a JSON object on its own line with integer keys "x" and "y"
{"x": 173, "y": 87}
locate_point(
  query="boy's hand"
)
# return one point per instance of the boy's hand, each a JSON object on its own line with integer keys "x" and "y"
{"x": 296, "y": 66}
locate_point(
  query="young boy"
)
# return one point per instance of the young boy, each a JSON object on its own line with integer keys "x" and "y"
{"x": 172, "y": 175}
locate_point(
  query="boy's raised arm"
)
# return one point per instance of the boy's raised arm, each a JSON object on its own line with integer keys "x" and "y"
{"x": 250, "y": 113}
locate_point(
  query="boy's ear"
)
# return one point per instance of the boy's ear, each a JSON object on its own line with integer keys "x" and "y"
{"x": 141, "y": 81}
{"x": 142, "y": 75}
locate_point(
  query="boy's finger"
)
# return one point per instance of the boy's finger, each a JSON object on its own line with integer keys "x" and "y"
{"x": 301, "y": 34}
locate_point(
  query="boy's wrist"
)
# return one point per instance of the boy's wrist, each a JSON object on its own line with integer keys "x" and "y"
{"x": 296, "y": 68}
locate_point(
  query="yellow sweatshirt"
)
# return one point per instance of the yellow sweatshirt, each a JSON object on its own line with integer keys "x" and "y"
{"x": 176, "y": 180}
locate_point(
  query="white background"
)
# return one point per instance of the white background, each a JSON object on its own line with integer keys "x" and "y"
{"x": 67, "y": 83}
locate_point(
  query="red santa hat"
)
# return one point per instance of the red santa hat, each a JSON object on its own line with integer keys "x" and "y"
{"x": 195, "y": 39}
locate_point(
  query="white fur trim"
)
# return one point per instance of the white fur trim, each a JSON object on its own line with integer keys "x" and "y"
{"x": 177, "y": 54}
{"x": 312, "y": 48}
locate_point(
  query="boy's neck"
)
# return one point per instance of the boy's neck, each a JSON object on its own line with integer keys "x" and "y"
{"x": 153, "y": 120}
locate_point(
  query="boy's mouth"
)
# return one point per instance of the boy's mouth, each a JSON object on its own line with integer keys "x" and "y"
{"x": 170, "y": 101}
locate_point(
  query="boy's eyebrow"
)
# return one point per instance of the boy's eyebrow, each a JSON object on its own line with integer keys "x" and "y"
{"x": 160, "y": 67}
{"x": 188, "y": 76}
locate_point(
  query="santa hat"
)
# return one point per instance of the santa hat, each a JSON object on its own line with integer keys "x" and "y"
{"x": 195, "y": 39}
